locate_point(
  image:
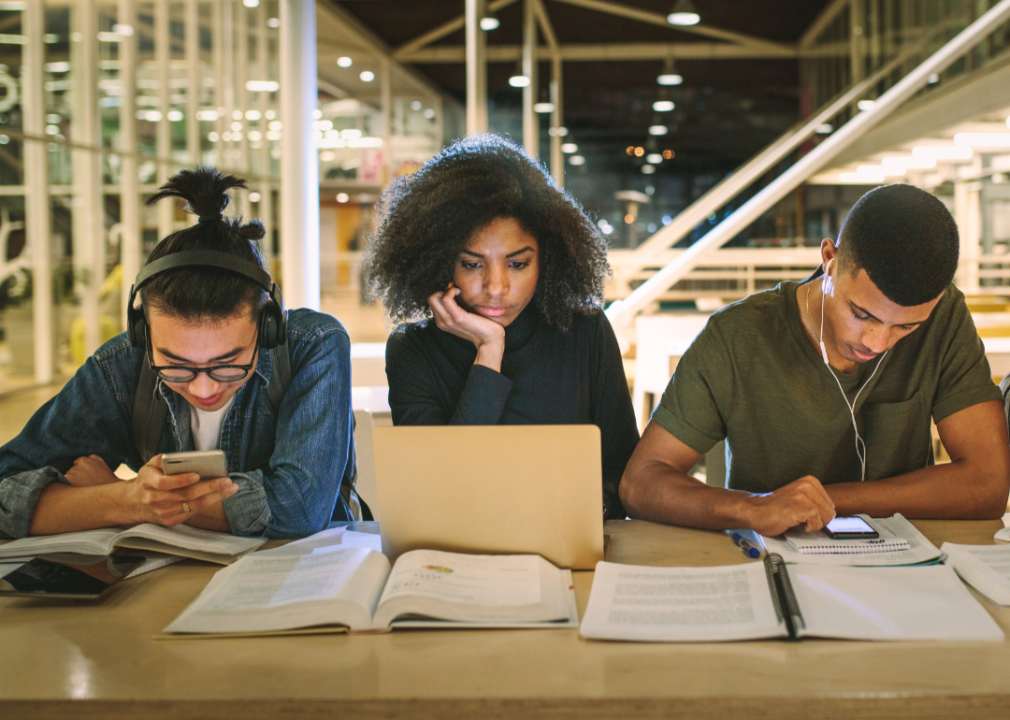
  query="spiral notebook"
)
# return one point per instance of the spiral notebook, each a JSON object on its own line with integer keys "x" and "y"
{"x": 818, "y": 543}
{"x": 763, "y": 600}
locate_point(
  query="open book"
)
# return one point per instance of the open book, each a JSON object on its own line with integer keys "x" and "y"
{"x": 355, "y": 588}
{"x": 181, "y": 540}
{"x": 985, "y": 567}
{"x": 772, "y": 600}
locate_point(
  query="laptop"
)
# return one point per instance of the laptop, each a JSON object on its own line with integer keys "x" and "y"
{"x": 493, "y": 489}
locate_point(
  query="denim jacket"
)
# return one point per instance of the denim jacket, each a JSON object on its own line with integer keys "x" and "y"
{"x": 288, "y": 465}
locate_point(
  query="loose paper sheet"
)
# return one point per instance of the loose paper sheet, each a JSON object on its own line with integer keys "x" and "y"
{"x": 984, "y": 567}
{"x": 680, "y": 604}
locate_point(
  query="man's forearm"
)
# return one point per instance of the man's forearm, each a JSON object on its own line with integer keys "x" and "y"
{"x": 63, "y": 508}
{"x": 658, "y": 493}
{"x": 956, "y": 490}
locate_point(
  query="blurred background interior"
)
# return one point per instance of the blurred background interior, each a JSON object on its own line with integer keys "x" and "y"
{"x": 741, "y": 130}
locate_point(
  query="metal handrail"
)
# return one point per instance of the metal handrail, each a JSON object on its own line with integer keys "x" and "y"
{"x": 622, "y": 312}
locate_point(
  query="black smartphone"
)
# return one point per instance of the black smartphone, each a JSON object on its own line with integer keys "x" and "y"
{"x": 845, "y": 528}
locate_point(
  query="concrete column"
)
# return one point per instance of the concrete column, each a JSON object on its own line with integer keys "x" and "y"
{"x": 557, "y": 121}
{"x": 88, "y": 213}
{"x": 194, "y": 85}
{"x": 163, "y": 131}
{"x": 266, "y": 206}
{"x": 242, "y": 98}
{"x": 299, "y": 162}
{"x": 531, "y": 125}
{"x": 37, "y": 207}
{"x": 131, "y": 251}
{"x": 476, "y": 68}
{"x": 386, "y": 102}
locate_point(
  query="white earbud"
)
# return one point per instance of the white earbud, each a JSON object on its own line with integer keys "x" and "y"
{"x": 860, "y": 444}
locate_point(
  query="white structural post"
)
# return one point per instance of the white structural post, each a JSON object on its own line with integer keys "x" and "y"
{"x": 557, "y": 121}
{"x": 476, "y": 68}
{"x": 299, "y": 163}
{"x": 622, "y": 312}
{"x": 194, "y": 85}
{"x": 37, "y": 192}
{"x": 129, "y": 179}
{"x": 163, "y": 129}
{"x": 242, "y": 100}
{"x": 266, "y": 207}
{"x": 531, "y": 126}
{"x": 88, "y": 220}
{"x": 386, "y": 103}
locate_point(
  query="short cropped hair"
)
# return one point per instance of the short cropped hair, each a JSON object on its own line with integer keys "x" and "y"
{"x": 198, "y": 293}
{"x": 426, "y": 219}
{"x": 905, "y": 239}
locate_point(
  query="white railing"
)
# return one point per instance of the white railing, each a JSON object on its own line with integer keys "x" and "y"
{"x": 622, "y": 312}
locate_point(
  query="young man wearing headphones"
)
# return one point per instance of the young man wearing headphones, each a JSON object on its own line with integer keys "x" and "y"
{"x": 211, "y": 360}
{"x": 824, "y": 391}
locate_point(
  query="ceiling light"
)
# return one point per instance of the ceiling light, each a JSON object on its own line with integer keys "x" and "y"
{"x": 866, "y": 104}
{"x": 569, "y": 148}
{"x": 343, "y": 197}
{"x": 255, "y": 197}
{"x": 654, "y": 158}
{"x": 669, "y": 79}
{"x": 367, "y": 76}
{"x": 880, "y": 170}
{"x": 639, "y": 151}
{"x": 251, "y": 3}
{"x": 942, "y": 152}
{"x": 824, "y": 129}
{"x": 175, "y": 115}
{"x": 663, "y": 105}
{"x": 683, "y": 13}
{"x": 558, "y": 131}
{"x": 861, "y": 178}
{"x": 416, "y": 105}
{"x": 489, "y": 22}
{"x": 577, "y": 160}
{"x": 982, "y": 139}
{"x": 668, "y": 154}
{"x": 648, "y": 169}
{"x": 908, "y": 162}
{"x": 519, "y": 81}
{"x": 933, "y": 79}
{"x": 344, "y": 61}
{"x": 273, "y": 23}
{"x": 262, "y": 86}
{"x": 658, "y": 130}
{"x": 544, "y": 107}
{"x": 429, "y": 113}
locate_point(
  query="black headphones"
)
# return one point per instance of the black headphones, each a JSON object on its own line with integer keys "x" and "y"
{"x": 273, "y": 318}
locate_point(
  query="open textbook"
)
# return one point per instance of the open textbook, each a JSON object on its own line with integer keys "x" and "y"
{"x": 985, "y": 567}
{"x": 920, "y": 550}
{"x": 355, "y": 588}
{"x": 181, "y": 540}
{"x": 770, "y": 599}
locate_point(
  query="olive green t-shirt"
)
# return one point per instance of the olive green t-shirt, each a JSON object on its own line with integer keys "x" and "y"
{"x": 752, "y": 378}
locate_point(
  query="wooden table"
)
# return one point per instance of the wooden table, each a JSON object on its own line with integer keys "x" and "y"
{"x": 99, "y": 660}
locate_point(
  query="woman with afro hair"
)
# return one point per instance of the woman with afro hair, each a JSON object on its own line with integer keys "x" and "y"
{"x": 511, "y": 270}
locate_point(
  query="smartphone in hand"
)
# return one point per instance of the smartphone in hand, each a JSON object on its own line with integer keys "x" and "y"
{"x": 208, "y": 464}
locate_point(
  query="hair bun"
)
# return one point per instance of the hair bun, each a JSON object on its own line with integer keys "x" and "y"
{"x": 204, "y": 189}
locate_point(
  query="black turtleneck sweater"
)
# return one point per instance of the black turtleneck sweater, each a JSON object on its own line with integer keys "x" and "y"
{"x": 548, "y": 377}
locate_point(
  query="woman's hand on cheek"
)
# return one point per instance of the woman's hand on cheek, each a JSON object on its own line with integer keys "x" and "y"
{"x": 486, "y": 335}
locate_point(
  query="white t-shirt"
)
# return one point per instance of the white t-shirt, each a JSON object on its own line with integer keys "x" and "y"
{"x": 206, "y": 426}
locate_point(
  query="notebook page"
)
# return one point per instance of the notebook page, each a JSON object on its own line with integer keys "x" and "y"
{"x": 630, "y": 602}
{"x": 900, "y": 603}
{"x": 984, "y": 567}
{"x": 469, "y": 579}
{"x": 263, "y": 593}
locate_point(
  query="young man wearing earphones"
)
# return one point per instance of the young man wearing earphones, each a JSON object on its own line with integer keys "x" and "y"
{"x": 211, "y": 361}
{"x": 824, "y": 391}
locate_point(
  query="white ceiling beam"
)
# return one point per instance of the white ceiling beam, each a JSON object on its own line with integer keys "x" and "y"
{"x": 656, "y": 19}
{"x": 451, "y": 54}
{"x": 444, "y": 29}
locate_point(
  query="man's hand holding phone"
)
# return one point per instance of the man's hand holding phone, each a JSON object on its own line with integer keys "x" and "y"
{"x": 156, "y": 497}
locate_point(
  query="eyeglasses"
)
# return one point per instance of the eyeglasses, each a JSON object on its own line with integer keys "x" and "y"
{"x": 220, "y": 373}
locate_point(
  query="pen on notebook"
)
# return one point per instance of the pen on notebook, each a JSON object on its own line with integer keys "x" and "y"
{"x": 748, "y": 548}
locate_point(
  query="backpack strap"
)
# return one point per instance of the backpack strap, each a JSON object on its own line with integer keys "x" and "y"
{"x": 280, "y": 378}
{"x": 149, "y": 413}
